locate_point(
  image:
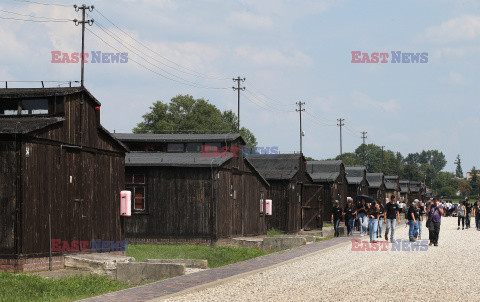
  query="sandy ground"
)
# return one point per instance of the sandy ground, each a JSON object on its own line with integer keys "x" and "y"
{"x": 449, "y": 272}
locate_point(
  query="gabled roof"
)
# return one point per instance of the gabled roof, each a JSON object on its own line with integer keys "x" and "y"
{"x": 324, "y": 170}
{"x": 375, "y": 180}
{"x": 415, "y": 186}
{"x": 355, "y": 175}
{"x": 404, "y": 186}
{"x": 164, "y": 159}
{"x": 391, "y": 182}
{"x": 276, "y": 166}
{"x": 23, "y": 125}
{"x": 19, "y": 93}
{"x": 180, "y": 138}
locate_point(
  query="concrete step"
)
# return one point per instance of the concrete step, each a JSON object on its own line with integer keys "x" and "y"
{"x": 276, "y": 243}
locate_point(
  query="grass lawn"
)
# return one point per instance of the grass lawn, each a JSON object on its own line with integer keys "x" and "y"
{"x": 216, "y": 256}
{"x": 274, "y": 232}
{"x": 322, "y": 239}
{"x": 21, "y": 287}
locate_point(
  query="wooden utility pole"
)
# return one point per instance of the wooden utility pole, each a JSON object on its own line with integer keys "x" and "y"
{"x": 364, "y": 136}
{"x": 89, "y": 22}
{"x": 341, "y": 124}
{"x": 299, "y": 110}
{"x": 383, "y": 171}
{"x": 238, "y": 89}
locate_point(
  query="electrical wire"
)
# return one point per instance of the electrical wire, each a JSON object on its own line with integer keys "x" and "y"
{"x": 151, "y": 70}
{"x": 39, "y": 21}
{"x": 47, "y": 18}
{"x": 267, "y": 104}
{"x": 313, "y": 118}
{"x": 186, "y": 69}
{"x": 276, "y": 102}
{"x": 42, "y": 3}
{"x": 116, "y": 38}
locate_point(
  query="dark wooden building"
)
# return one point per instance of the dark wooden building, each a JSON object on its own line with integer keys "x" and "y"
{"x": 330, "y": 174}
{"x": 404, "y": 190}
{"x": 191, "y": 187}
{"x": 392, "y": 186}
{"x": 417, "y": 191}
{"x": 376, "y": 186}
{"x": 297, "y": 202}
{"x": 357, "y": 181}
{"x": 55, "y": 159}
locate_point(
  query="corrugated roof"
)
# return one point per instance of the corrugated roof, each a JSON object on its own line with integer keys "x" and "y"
{"x": 23, "y": 125}
{"x": 404, "y": 186}
{"x": 355, "y": 174}
{"x": 324, "y": 170}
{"x": 163, "y": 159}
{"x": 375, "y": 180}
{"x": 391, "y": 182}
{"x": 276, "y": 166}
{"x": 147, "y": 137}
{"x": 18, "y": 93}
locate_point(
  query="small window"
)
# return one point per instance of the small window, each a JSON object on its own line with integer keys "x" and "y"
{"x": 35, "y": 106}
{"x": 213, "y": 147}
{"x": 174, "y": 147}
{"x": 136, "y": 184}
{"x": 194, "y": 147}
{"x": 9, "y": 107}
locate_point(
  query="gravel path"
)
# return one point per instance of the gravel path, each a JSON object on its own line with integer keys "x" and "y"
{"x": 444, "y": 273}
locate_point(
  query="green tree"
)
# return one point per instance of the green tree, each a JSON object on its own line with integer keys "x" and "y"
{"x": 184, "y": 113}
{"x": 458, "y": 170}
{"x": 350, "y": 160}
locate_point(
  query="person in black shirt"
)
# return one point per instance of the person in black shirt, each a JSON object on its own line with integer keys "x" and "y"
{"x": 468, "y": 213}
{"x": 413, "y": 215}
{"x": 372, "y": 214}
{"x": 336, "y": 217}
{"x": 362, "y": 217}
{"x": 393, "y": 216}
{"x": 381, "y": 218}
{"x": 476, "y": 211}
{"x": 349, "y": 217}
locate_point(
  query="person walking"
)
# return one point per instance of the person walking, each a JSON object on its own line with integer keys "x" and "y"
{"x": 468, "y": 212}
{"x": 372, "y": 213}
{"x": 362, "y": 216}
{"x": 421, "y": 212}
{"x": 381, "y": 217}
{"x": 392, "y": 214}
{"x": 461, "y": 215}
{"x": 476, "y": 211}
{"x": 413, "y": 216}
{"x": 349, "y": 216}
{"x": 336, "y": 217}
{"x": 434, "y": 219}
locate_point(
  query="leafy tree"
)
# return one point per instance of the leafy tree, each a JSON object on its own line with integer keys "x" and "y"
{"x": 458, "y": 171}
{"x": 464, "y": 187}
{"x": 350, "y": 160}
{"x": 308, "y": 158}
{"x": 447, "y": 191}
{"x": 184, "y": 113}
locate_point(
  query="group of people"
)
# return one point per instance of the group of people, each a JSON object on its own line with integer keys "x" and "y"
{"x": 465, "y": 211}
{"x": 373, "y": 214}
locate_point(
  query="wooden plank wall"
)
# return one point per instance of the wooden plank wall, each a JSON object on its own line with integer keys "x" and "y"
{"x": 84, "y": 209}
{"x": 8, "y": 188}
{"x": 178, "y": 201}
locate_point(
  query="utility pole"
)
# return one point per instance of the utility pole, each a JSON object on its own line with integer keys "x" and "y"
{"x": 340, "y": 124}
{"x": 364, "y": 136}
{"x": 89, "y": 22}
{"x": 238, "y": 88}
{"x": 383, "y": 171}
{"x": 299, "y": 110}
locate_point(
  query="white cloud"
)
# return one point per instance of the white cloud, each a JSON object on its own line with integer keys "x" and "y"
{"x": 455, "y": 78}
{"x": 465, "y": 28}
{"x": 274, "y": 57}
{"x": 250, "y": 21}
{"x": 361, "y": 100}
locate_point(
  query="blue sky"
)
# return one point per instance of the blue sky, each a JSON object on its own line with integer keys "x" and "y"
{"x": 289, "y": 51}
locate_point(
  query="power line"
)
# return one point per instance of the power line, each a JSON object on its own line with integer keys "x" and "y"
{"x": 276, "y": 102}
{"x": 238, "y": 89}
{"x": 42, "y": 3}
{"x": 25, "y": 15}
{"x": 265, "y": 103}
{"x": 192, "y": 72}
{"x": 153, "y": 71}
{"x": 318, "y": 122}
{"x": 39, "y": 21}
